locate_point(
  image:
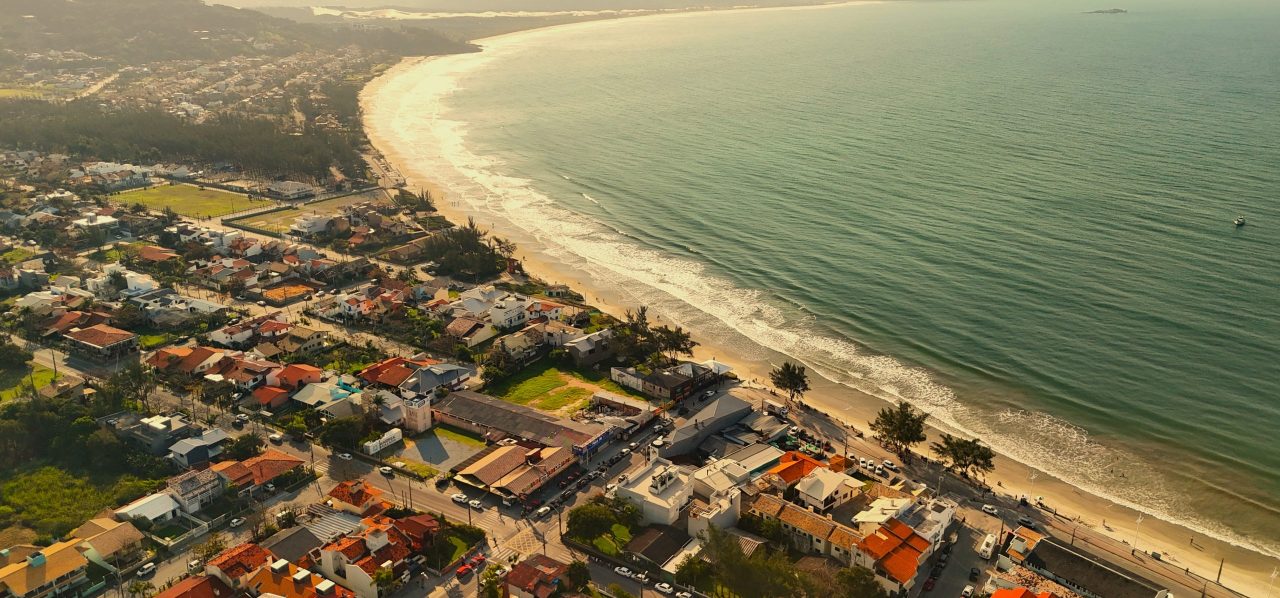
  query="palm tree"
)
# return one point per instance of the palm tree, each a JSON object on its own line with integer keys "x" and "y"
{"x": 791, "y": 379}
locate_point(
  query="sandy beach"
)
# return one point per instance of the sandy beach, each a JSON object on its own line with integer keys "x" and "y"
{"x": 1245, "y": 571}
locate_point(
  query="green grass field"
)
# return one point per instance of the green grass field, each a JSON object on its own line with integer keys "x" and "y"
{"x": 190, "y": 200}
{"x": 280, "y": 222}
{"x": 549, "y": 388}
{"x": 16, "y": 92}
{"x": 11, "y": 381}
{"x": 16, "y": 255}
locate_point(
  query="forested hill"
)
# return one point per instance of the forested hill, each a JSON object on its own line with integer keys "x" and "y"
{"x": 140, "y": 31}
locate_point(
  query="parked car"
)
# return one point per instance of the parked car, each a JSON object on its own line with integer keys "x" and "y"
{"x": 386, "y": 470}
{"x": 658, "y": 443}
{"x": 543, "y": 512}
{"x": 194, "y": 565}
{"x": 147, "y": 570}
{"x": 464, "y": 571}
{"x": 929, "y": 583}
{"x": 633, "y": 446}
{"x": 344, "y": 456}
{"x": 623, "y": 571}
{"x": 889, "y": 465}
{"x": 271, "y": 488}
{"x": 665, "y": 588}
{"x": 974, "y": 574}
{"x": 966, "y": 592}
{"x": 990, "y": 510}
{"x": 460, "y": 498}
{"x": 476, "y": 504}
{"x": 683, "y": 594}
{"x": 237, "y": 522}
{"x": 640, "y": 577}
{"x": 1026, "y": 522}
{"x": 478, "y": 560}
{"x": 276, "y": 438}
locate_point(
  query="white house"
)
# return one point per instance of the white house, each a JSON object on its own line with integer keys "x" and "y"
{"x": 160, "y": 506}
{"x": 661, "y": 490}
{"x": 824, "y": 489}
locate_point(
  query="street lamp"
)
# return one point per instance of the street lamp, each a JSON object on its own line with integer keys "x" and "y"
{"x": 1136, "y": 532}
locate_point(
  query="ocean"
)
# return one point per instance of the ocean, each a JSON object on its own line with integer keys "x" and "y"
{"x": 1015, "y": 215}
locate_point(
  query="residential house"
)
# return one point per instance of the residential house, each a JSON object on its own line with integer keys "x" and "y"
{"x": 160, "y": 506}
{"x": 356, "y": 497}
{"x": 196, "y": 450}
{"x": 108, "y": 542}
{"x": 194, "y": 361}
{"x": 198, "y": 586}
{"x": 283, "y": 579}
{"x": 293, "y": 544}
{"x": 247, "y": 475}
{"x": 661, "y": 489}
{"x": 155, "y": 433}
{"x": 36, "y": 572}
{"x": 236, "y": 565}
{"x": 101, "y": 342}
{"x": 470, "y": 332}
{"x": 823, "y": 489}
{"x": 242, "y": 334}
{"x": 895, "y": 552}
{"x": 270, "y": 397}
{"x": 302, "y": 341}
{"x": 538, "y": 576}
{"x": 353, "y": 560}
{"x": 295, "y": 375}
{"x": 196, "y": 489}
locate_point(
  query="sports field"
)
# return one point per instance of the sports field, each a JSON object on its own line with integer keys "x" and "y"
{"x": 281, "y": 221}
{"x": 190, "y": 200}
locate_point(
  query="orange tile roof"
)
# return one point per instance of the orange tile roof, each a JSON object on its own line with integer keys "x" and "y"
{"x": 269, "y": 465}
{"x": 197, "y": 356}
{"x": 267, "y": 395}
{"x": 355, "y": 493}
{"x": 1017, "y": 593}
{"x": 266, "y": 581}
{"x": 239, "y": 561}
{"x": 809, "y": 522}
{"x": 151, "y": 253}
{"x": 235, "y": 472}
{"x": 101, "y": 335}
{"x": 204, "y": 586}
{"x": 168, "y": 356}
{"x": 537, "y": 575}
{"x": 896, "y": 548}
{"x": 767, "y": 505}
{"x": 351, "y": 547}
{"x": 794, "y": 465}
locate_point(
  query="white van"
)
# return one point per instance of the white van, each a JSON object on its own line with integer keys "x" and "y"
{"x": 988, "y": 546}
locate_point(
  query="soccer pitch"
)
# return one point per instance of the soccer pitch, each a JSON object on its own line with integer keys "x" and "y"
{"x": 190, "y": 200}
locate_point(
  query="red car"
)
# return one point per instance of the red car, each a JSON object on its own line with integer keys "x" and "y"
{"x": 464, "y": 571}
{"x": 928, "y": 583}
{"x": 477, "y": 560}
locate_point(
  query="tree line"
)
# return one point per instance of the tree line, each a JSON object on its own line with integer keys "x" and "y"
{"x": 148, "y": 136}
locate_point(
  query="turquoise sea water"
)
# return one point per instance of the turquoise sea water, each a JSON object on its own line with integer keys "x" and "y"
{"x": 1014, "y": 214}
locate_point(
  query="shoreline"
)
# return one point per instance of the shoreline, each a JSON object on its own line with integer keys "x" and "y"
{"x": 1246, "y": 571}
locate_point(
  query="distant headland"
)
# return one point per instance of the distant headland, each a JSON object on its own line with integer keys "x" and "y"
{"x": 1107, "y": 11}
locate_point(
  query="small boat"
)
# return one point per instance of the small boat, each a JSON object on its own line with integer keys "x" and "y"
{"x": 1240, "y": 221}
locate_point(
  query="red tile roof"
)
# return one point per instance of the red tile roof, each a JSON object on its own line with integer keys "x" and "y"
{"x": 266, "y": 581}
{"x": 270, "y": 465}
{"x": 896, "y": 548}
{"x": 238, "y": 561}
{"x": 418, "y": 528}
{"x": 151, "y": 253}
{"x": 355, "y": 493}
{"x": 235, "y": 472}
{"x": 537, "y": 575}
{"x": 794, "y": 465}
{"x": 204, "y": 586}
{"x": 101, "y": 335}
{"x": 267, "y": 395}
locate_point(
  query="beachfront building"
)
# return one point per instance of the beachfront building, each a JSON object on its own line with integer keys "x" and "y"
{"x": 661, "y": 489}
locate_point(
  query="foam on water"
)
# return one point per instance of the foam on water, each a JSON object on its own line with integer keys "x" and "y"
{"x": 432, "y": 133}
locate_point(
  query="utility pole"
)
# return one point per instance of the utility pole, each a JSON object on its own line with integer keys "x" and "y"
{"x": 1136, "y": 532}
